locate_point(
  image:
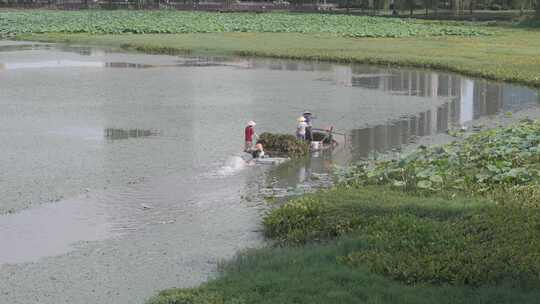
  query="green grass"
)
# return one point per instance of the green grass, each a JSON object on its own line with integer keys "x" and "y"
{"x": 386, "y": 226}
{"x": 495, "y": 52}
{"x": 412, "y": 239}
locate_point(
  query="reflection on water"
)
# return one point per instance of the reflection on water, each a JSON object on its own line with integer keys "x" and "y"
{"x": 100, "y": 64}
{"x": 86, "y": 64}
{"x": 81, "y": 50}
{"x": 194, "y": 62}
{"x": 114, "y": 134}
{"x": 290, "y": 65}
{"x": 20, "y": 47}
{"x": 126, "y": 65}
{"x": 299, "y": 176}
{"x": 50, "y": 64}
{"x": 467, "y": 100}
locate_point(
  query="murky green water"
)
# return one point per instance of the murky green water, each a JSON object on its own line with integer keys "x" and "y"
{"x": 120, "y": 172}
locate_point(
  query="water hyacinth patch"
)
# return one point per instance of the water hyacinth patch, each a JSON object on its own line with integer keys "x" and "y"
{"x": 502, "y": 158}
{"x": 283, "y": 145}
{"x": 174, "y": 22}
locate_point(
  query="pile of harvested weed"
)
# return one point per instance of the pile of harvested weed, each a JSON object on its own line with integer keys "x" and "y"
{"x": 283, "y": 145}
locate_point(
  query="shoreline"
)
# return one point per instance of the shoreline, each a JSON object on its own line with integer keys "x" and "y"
{"x": 480, "y": 124}
{"x": 477, "y": 57}
{"x": 342, "y": 233}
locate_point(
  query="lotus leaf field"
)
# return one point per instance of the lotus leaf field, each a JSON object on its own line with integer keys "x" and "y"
{"x": 501, "y": 159}
{"x": 170, "y": 22}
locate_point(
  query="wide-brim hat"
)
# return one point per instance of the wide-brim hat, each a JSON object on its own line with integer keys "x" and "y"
{"x": 306, "y": 113}
{"x": 251, "y": 123}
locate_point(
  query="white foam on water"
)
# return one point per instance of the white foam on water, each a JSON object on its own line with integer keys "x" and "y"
{"x": 233, "y": 165}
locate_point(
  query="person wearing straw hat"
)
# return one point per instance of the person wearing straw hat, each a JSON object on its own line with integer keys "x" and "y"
{"x": 301, "y": 128}
{"x": 249, "y": 133}
{"x": 309, "y": 121}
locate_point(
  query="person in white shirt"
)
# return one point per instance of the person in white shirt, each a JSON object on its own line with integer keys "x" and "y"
{"x": 301, "y": 128}
{"x": 258, "y": 152}
{"x": 309, "y": 121}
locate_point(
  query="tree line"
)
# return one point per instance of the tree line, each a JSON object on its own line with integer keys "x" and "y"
{"x": 397, "y": 7}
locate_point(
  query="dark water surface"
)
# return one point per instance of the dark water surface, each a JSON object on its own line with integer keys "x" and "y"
{"x": 120, "y": 173}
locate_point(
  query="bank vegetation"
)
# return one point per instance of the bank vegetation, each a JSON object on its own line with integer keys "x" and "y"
{"x": 458, "y": 223}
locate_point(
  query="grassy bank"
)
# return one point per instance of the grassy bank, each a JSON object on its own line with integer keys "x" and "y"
{"x": 391, "y": 249}
{"x": 382, "y": 236}
{"x": 500, "y": 53}
{"x": 509, "y": 54}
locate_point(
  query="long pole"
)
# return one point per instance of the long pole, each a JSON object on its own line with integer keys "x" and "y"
{"x": 316, "y": 129}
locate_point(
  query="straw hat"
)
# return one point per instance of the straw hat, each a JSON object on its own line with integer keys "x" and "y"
{"x": 301, "y": 119}
{"x": 251, "y": 123}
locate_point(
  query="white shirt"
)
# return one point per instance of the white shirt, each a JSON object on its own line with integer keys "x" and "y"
{"x": 301, "y": 128}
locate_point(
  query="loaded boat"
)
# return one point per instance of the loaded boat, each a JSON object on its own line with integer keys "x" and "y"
{"x": 264, "y": 160}
{"x": 323, "y": 139}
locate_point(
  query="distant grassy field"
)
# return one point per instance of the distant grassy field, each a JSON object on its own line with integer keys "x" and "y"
{"x": 173, "y": 22}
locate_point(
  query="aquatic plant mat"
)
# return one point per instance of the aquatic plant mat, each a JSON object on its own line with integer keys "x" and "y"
{"x": 490, "y": 163}
{"x": 173, "y": 22}
{"x": 379, "y": 238}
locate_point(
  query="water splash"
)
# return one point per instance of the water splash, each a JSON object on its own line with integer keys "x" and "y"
{"x": 233, "y": 165}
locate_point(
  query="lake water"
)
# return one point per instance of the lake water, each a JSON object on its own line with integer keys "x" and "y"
{"x": 120, "y": 173}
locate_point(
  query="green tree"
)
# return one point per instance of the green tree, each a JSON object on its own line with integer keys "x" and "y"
{"x": 455, "y": 6}
{"x": 427, "y": 5}
{"x": 410, "y": 5}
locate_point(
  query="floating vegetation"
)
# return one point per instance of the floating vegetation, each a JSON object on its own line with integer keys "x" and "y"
{"x": 529, "y": 23}
{"x": 172, "y": 22}
{"x": 484, "y": 163}
{"x": 113, "y": 134}
{"x": 283, "y": 144}
{"x": 320, "y": 136}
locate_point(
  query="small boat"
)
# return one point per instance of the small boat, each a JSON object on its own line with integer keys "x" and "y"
{"x": 271, "y": 160}
{"x": 322, "y": 140}
{"x": 316, "y": 146}
{"x": 267, "y": 160}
